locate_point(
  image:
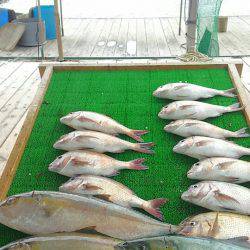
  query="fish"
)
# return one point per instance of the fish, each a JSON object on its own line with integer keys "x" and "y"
{"x": 112, "y": 191}
{"x": 79, "y": 162}
{"x": 99, "y": 142}
{"x": 47, "y": 212}
{"x": 187, "y": 128}
{"x": 201, "y": 147}
{"x": 64, "y": 241}
{"x": 87, "y": 120}
{"x": 218, "y": 225}
{"x": 195, "y": 110}
{"x": 221, "y": 169}
{"x": 189, "y": 91}
{"x": 219, "y": 196}
{"x": 177, "y": 242}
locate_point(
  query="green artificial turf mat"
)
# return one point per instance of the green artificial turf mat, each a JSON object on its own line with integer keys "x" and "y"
{"x": 127, "y": 97}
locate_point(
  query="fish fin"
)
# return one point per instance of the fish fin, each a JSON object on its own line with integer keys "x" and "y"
{"x": 202, "y": 143}
{"x": 105, "y": 197}
{"x": 215, "y": 228}
{"x": 232, "y": 179}
{"x": 80, "y": 137}
{"x": 145, "y": 147}
{"x": 81, "y": 118}
{"x": 229, "y": 93}
{"x": 114, "y": 173}
{"x": 137, "y": 164}
{"x": 229, "y": 209}
{"x": 223, "y": 197}
{"x": 183, "y": 107}
{"x": 224, "y": 165}
{"x": 152, "y": 207}
{"x": 189, "y": 124}
{"x": 90, "y": 187}
{"x": 234, "y": 107}
{"x": 242, "y": 133}
{"x": 180, "y": 86}
{"x": 136, "y": 134}
{"x": 77, "y": 161}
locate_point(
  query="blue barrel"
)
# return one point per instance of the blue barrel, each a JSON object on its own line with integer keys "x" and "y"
{"x": 4, "y": 16}
{"x": 47, "y": 13}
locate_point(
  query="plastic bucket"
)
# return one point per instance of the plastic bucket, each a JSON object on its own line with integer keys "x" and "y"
{"x": 34, "y": 33}
{"x": 47, "y": 13}
{"x": 4, "y": 16}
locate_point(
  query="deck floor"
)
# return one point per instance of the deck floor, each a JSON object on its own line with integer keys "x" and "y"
{"x": 18, "y": 84}
{"x": 135, "y": 37}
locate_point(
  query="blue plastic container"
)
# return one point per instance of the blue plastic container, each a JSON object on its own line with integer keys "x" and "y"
{"x": 47, "y": 13}
{"x": 4, "y": 16}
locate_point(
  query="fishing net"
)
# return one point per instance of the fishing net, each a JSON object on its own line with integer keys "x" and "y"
{"x": 207, "y": 27}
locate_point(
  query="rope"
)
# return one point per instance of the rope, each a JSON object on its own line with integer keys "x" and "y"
{"x": 194, "y": 56}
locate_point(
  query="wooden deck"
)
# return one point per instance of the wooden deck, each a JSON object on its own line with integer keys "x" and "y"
{"x": 135, "y": 37}
{"x": 18, "y": 84}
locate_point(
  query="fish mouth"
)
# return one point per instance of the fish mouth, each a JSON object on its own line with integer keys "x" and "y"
{"x": 185, "y": 196}
{"x": 176, "y": 149}
{"x": 155, "y": 93}
{"x": 190, "y": 173}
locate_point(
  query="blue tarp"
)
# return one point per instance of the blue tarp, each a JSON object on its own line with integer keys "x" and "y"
{"x": 4, "y": 16}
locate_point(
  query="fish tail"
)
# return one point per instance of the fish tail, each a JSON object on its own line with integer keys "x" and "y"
{"x": 152, "y": 207}
{"x": 144, "y": 147}
{"x": 242, "y": 133}
{"x": 136, "y": 134}
{"x": 137, "y": 164}
{"x": 234, "y": 107}
{"x": 228, "y": 93}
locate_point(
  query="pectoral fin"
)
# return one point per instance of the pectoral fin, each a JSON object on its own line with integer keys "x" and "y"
{"x": 202, "y": 143}
{"x": 215, "y": 228}
{"x": 90, "y": 187}
{"x": 184, "y": 107}
{"x": 77, "y": 161}
{"x": 189, "y": 124}
{"x": 105, "y": 197}
{"x": 223, "y": 197}
{"x": 180, "y": 86}
{"x": 225, "y": 165}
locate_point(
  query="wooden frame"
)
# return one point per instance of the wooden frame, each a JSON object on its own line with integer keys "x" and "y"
{"x": 46, "y": 71}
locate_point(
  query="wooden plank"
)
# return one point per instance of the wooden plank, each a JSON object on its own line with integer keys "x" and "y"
{"x": 153, "y": 50}
{"x": 111, "y": 44}
{"x": 121, "y": 47}
{"x": 142, "y": 46}
{"x": 7, "y": 147}
{"x": 16, "y": 154}
{"x": 160, "y": 38}
{"x": 241, "y": 90}
{"x": 7, "y": 69}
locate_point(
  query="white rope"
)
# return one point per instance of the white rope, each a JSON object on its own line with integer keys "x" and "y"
{"x": 194, "y": 56}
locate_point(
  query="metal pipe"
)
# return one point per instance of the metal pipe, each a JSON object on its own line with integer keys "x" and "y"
{"x": 61, "y": 17}
{"x": 191, "y": 25}
{"x": 180, "y": 17}
{"x": 39, "y": 22}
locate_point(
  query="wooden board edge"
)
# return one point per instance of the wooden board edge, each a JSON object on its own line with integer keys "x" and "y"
{"x": 18, "y": 149}
{"x": 241, "y": 90}
{"x": 239, "y": 67}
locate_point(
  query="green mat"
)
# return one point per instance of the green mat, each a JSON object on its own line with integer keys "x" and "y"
{"x": 127, "y": 97}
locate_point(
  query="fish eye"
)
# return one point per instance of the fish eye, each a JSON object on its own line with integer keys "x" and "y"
{"x": 182, "y": 140}
{"x": 197, "y": 164}
{"x": 59, "y": 157}
{"x": 192, "y": 223}
{"x": 194, "y": 186}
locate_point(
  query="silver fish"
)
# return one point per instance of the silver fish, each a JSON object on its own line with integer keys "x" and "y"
{"x": 64, "y": 241}
{"x": 221, "y": 169}
{"x": 112, "y": 191}
{"x": 87, "y": 120}
{"x": 187, "y": 127}
{"x": 175, "y": 242}
{"x": 79, "y": 162}
{"x": 45, "y": 212}
{"x": 218, "y": 225}
{"x": 219, "y": 196}
{"x": 189, "y": 91}
{"x": 205, "y": 147}
{"x": 99, "y": 142}
{"x": 195, "y": 110}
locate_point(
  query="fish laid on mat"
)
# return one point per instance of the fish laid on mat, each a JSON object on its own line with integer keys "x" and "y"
{"x": 45, "y": 212}
{"x": 78, "y": 162}
{"x": 64, "y": 241}
{"x": 221, "y": 169}
{"x": 83, "y": 120}
{"x": 175, "y": 242}
{"x": 111, "y": 190}
{"x": 219, "y": 196}
{"x": 99, "y": 142}
{"x": 187, "y": 127}
{"x": 201, "y": 147}
{"x": 189, "y": 91}
{"x": 195, "y": 110}
{"x": 219, "y": 225}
